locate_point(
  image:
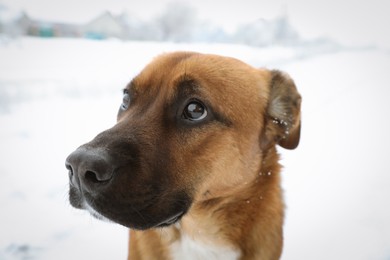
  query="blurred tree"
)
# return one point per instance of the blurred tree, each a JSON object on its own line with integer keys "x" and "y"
{"x": 177, "y": 22}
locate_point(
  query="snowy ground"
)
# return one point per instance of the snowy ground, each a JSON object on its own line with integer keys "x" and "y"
{"x": 57, "y": 94}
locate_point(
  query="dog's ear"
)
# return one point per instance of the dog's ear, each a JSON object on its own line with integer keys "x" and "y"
{"x": 283, "y": 113}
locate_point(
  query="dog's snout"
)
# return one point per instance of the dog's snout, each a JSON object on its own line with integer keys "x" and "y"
{"x": 89, "y": 168}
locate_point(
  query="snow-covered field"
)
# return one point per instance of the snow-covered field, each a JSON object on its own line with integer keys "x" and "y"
{"x": 57, "y": 94}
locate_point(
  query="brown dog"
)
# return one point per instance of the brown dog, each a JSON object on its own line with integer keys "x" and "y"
{"x": 191, "y": 166}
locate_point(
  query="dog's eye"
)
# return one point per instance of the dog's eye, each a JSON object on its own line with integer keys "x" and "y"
{"x": 195, "y": 111}
{"x": 126, "y": 100}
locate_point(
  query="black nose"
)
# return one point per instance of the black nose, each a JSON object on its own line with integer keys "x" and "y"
{"x": 89, "y": 168}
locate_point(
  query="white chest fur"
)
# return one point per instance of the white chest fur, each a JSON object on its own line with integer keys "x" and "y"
{"x": 188, "y": 249}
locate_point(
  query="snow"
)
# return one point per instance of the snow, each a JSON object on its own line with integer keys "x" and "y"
{"x": 340, "y": 170}
{"x": 56, "y": 94}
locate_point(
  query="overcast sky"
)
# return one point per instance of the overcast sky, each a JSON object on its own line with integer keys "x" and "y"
{"x": 356, "y": 22}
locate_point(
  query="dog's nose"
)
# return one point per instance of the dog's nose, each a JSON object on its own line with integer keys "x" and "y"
{"x": 89, "y": 168}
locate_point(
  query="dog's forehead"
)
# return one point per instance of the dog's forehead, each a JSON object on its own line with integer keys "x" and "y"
{"x": 168, "y": 70}
{"x": 160, "y": 72}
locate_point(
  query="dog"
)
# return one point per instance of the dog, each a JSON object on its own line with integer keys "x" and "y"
{"x": 191, "y": 166}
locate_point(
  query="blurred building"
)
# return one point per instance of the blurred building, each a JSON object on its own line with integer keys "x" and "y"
{"x": 104, "y": 26}
{"x": 22, "y": 24}
{"x": 178, "y": 24}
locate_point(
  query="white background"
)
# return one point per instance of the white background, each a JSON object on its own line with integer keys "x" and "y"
{"x": 56, "y": 94}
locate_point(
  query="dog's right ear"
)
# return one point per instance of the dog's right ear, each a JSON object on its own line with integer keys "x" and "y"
{"x": 283, "y": 113}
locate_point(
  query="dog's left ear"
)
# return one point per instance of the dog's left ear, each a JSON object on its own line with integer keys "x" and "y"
{"x": 283, "y": 113}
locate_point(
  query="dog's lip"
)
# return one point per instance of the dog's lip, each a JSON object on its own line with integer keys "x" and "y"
{"x": 171, "y": 220}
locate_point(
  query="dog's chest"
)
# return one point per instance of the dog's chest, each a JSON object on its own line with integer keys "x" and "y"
{"x": 188, "y": 249}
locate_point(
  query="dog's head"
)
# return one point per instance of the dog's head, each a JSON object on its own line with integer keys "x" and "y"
{"x": 191, "y": 127}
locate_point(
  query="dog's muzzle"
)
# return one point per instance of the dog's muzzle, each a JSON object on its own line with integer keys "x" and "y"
{"x": 110, "y": 183}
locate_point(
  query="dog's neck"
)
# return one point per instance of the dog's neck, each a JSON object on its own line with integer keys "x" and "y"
{"x": 191, "y": 249}
{"x": 232, "y": 224}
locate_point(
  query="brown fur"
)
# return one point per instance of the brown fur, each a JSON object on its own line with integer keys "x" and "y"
{"x": 222, "y": 172}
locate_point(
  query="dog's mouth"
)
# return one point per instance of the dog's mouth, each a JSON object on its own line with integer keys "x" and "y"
{"x": 165, "y": 223}
{"x": 135, "y": 215}
{"x": 168, "y": 222}
{"x": 172, "y": 220}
